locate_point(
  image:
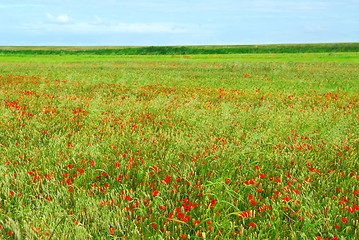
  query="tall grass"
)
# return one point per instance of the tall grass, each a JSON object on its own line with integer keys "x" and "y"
{"x": 179, "y": 150}
{"x": 185, "y": 50}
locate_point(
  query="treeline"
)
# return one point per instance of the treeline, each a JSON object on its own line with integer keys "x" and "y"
{"x": 167, "y": 50}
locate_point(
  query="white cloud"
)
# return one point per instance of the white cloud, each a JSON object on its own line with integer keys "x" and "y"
{"x": 65, "y": 24}
{"x": 98, "y": 20}
{"x": 61, "y": 19}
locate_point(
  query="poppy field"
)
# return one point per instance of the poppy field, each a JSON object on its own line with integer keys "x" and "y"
{"x": 179, "y": 148}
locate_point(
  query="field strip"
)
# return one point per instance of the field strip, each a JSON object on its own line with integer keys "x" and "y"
{"x": 294, "y": 57}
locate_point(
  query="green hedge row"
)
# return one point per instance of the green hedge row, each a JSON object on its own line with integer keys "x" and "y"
{"x": 312, "y": 48}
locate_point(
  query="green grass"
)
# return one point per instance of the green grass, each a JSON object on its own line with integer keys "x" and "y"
{"x": 184, "y": 50}
{"x": 262, "y": 57}
{"x": 261, "y": 146}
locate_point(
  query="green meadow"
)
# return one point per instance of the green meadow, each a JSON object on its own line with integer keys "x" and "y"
{"x": 255, "y": 145}
{"x": 258, "y": 57}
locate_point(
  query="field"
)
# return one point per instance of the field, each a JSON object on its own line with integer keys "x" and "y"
{"x": 232, "y": 146}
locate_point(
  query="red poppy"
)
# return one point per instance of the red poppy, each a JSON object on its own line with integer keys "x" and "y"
{"x": 252, "y": 225}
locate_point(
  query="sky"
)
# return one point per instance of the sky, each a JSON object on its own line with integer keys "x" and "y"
{"x": 173, "y": 23}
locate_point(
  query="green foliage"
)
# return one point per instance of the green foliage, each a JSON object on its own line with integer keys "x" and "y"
{"x": 187, "y": 50}
{"x": 155, "y": 149}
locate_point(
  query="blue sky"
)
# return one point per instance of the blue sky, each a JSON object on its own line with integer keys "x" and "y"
{"x": 186, "y": 22}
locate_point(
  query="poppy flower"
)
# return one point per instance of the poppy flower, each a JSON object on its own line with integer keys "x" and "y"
{"x": 252, "y": 225}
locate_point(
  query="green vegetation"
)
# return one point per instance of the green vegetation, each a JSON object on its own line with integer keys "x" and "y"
{"x": 184, "y": 50}
{"x": 164, "y": 147}
{"x": 231, "y": 58}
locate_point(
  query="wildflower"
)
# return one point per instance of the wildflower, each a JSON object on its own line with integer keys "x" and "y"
{"x": 252, "y": 225}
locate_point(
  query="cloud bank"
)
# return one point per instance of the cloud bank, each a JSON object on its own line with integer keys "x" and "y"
{"x": 61, "y": 19}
